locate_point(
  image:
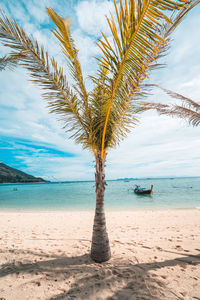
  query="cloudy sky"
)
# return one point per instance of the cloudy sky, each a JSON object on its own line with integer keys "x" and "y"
{"x": 33, "y": 140}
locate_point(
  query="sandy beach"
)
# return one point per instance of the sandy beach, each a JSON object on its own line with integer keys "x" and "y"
{"x": 45, "y": 255}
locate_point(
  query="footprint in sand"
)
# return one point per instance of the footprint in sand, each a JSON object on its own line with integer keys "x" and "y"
{"x": 178, "y": 247}
{"x": 158, "y": 248}
{"x": 183, "y": 266}
{"x": 183, "y": 293}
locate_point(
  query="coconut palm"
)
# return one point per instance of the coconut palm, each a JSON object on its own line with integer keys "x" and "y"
{"x": 101, "y": 118}
{"x": 188, "y": 109}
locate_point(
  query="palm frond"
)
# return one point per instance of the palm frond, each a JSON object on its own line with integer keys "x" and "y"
{"x": 189, "y": 110}
{"x": 140, "y": 107}
{"x": 97, "y": 97}
{"x": 183, "y": 112}
{"x": 7, "y": 62}
{"x": 185, "y": 100}
{"x": 140, "y": 35}
{"x": 63, "y": 34}
{"x": 45, "y": 72}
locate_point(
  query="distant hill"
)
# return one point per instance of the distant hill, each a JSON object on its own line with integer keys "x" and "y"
{"x": 11, "y": 175}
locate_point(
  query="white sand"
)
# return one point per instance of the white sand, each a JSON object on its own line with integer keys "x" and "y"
{"x": 155, "y": 255}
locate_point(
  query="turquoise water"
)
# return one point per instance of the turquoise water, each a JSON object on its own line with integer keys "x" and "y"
{"x": 168, "y": 193}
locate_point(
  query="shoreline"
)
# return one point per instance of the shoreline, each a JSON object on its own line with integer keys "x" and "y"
{"x": 107, "y": 210}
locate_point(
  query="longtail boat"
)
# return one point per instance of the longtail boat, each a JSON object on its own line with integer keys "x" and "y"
{"x": 142, "y": 191}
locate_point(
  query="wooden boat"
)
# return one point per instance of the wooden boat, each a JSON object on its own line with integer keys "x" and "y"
{"x": 142, "y": 191}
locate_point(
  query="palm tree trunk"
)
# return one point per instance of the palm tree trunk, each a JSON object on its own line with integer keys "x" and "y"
{"x": 100, "y": 250}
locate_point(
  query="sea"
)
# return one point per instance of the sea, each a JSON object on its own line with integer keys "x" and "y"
{"x": 168, "y": 193}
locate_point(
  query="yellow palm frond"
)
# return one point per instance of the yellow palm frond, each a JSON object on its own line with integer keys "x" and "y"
{"x": 139, "y": 35}
{"x": 63, "y": 34}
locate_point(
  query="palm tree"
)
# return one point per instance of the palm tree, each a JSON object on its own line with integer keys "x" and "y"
{"x": 101, "y": 118}
{"x": 188, "y": 109}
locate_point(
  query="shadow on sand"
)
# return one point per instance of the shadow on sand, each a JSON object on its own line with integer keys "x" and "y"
{"x": 88, "y": 280}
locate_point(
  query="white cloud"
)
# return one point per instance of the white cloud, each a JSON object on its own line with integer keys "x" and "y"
{"x": 37, "y": 10}
{"x": 87, "y": 51}
{"x": 193, "y": 83}
{"x": 17, "y": 11}
{"x": 91, "y": 16}
{"x": 158, "y": 146}
{"x": 59, "y": 168}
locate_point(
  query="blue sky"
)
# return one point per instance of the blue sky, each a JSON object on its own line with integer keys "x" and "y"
{"x": 34, "y": 141}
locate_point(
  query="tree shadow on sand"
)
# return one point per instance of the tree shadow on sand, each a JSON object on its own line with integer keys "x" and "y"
{"x": 88, "y": 280}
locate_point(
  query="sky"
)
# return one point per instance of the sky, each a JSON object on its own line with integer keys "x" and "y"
{"x": 33, "y": 140}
